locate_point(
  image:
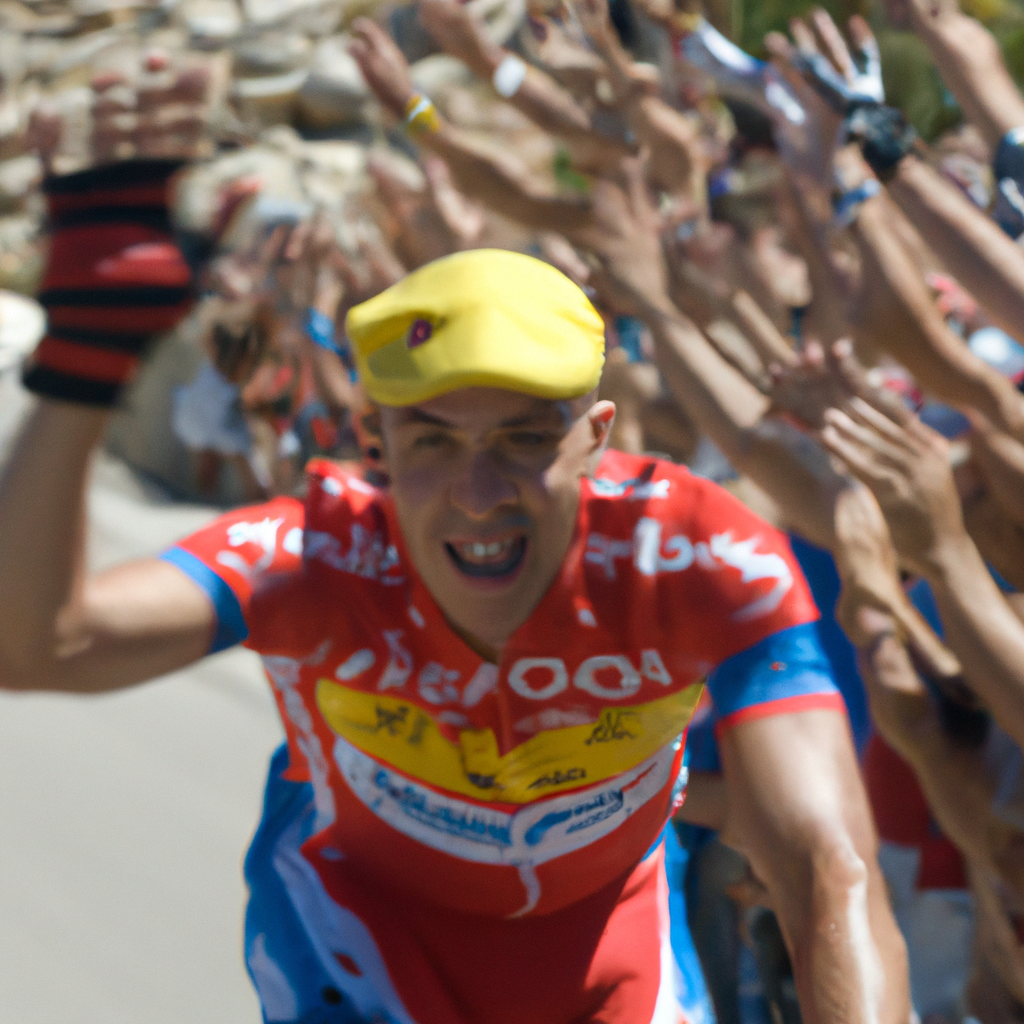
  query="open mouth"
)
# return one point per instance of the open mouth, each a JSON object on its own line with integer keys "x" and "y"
{"x": 492, "y": 559}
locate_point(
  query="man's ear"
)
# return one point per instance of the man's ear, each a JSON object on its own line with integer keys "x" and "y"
{"x": 600, "y": 417}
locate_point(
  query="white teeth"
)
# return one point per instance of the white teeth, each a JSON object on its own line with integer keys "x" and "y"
{"x": 480, "y": 550}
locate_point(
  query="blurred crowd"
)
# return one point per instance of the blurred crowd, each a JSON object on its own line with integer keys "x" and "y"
{"x": 804, "y": 301}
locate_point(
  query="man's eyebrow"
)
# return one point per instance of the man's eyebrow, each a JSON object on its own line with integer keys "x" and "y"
{"x": 533, "y": 418}
{"x": 419, "y": 416}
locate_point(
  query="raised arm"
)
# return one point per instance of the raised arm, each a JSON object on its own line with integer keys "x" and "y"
{"x": 914, "y": 331}
{"x": 907, "y": 467}
{"x": 972, "y": 66}
{"x": 973, "y": 247}
{"x": 531, "y": 90}
{"x": 62, "y": 630}
{"x": 496, "y": 181}
{"x": 58, "y": 628}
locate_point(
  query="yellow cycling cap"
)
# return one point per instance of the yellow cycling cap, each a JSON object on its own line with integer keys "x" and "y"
{"x": 482, "y": 318}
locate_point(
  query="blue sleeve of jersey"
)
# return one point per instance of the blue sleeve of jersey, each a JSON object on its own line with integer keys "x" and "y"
{"x": 231, "y": 627}
{"x": 785, "y": 672}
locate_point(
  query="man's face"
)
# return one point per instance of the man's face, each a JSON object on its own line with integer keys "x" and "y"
{"x": 486, "y": 487}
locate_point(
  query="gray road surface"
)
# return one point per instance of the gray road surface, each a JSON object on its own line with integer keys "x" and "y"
{"x": 123, "y": 819}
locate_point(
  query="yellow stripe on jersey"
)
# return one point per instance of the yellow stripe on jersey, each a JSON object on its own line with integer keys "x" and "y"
{"x": 404, "y": 736}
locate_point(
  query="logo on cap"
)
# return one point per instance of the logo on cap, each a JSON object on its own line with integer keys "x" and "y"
{"x": 421, "y": 331}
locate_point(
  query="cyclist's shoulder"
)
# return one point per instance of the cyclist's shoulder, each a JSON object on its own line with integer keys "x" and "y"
{"x": 629, "y": 488}
{"x": 348, "y": 524}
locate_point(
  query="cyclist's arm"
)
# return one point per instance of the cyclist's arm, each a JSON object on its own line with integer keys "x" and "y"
{"x": 800, "y": 810}
{"x": 60, "y": 630}
{"x": 796, "y": 805}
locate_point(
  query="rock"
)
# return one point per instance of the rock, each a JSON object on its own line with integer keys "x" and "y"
{"x": 210, "y": 24}
{"x": 271, "y": 53}
{"x": 22, "y": 325}
{"x": 334, "y": 95}
{"x": 18, "y": 180}
{"x": 270, "y": 99}
{"x": 21, "y": 261}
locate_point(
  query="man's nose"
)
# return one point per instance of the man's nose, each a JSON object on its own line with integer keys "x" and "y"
{"x": 482, "y": 486}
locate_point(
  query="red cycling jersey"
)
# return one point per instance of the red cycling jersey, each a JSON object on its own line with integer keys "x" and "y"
{"x": 525, "y": 791}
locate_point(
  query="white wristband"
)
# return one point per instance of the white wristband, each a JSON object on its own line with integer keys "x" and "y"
{"x": 509, "y": 76}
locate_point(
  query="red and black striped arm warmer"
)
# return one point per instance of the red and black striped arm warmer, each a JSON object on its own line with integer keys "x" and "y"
{"x": 115, "y": 278}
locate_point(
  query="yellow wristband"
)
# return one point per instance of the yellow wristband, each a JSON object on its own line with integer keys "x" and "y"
{"x": 684, "y": 23}
{"x": 421, "y": 116}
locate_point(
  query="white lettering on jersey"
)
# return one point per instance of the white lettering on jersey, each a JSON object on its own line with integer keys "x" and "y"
{"x": 367, "y": 556}
{"x": 284, "y": 674}
{"x": 753, "y": 565}
{"x": 628, "y": 678}
{"x": 399, "y": 666}
{"x": 604, "y": 551}
{"x": 355, "y": 665}
{"x": 636, "y": 489}
{"x": 557, "y": 681}
{"x": 293, "y": 541}
{"x": 647, "y": 549}
{"x": 555, "y": 676}
{"x": 652, "y": 556}
{"x": 436, "y": 683}
{"x": 485, "y": 679}
{"x": 263, "y": 534}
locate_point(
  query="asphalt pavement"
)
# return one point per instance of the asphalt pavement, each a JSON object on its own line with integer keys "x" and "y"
{"x": 124, "y": 818}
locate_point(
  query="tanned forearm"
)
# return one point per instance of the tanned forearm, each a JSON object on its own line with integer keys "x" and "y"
{"x": 971, "y": 245}
{"x": 784, "y": 462}
{"x": 982, "y": 630}
{"x": 972, "y": 66}
{"x": 910, "y": 327}
{"x": 59, "y": 629}
{"x": 803, "y": 821}
{"x": 42, "y": 514}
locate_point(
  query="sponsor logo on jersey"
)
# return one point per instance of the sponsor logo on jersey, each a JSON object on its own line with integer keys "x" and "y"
{"x": 653, "y": 554}
{"x": 537, "y": 833}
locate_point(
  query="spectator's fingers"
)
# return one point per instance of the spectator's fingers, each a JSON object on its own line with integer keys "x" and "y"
{"x": 112, "y": 102}
{"x": 832, "y": 44}
{"x": 938, "y": 659}
{"x": 892, "y": 434}
{"x": 156, "y": 60}
{"x": 189, "y": 86}
{"x": 771, "y": 346}
{"x": 43, "y": 135}
{"x": 924, "y": 438}
{"x": 107, "y": 80}
{"x": 864, "y": 45}
{"x": 113, "y": 137}
{"x": 171, "y": 132}
{"x": 869, "y": 456}
{"x": 854, "y": 377}
{"x": 803, "y": 37}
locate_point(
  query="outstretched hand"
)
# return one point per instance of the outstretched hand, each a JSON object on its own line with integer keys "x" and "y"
{"x": 382, "y": 64}
{"x": 157, "y": 111}
{"x": 907, "y": 468}
{"x": 455, "y": 29}
{"x": 828, "y": 378}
